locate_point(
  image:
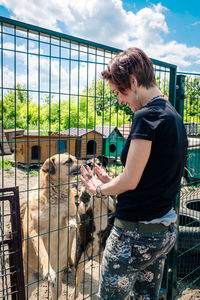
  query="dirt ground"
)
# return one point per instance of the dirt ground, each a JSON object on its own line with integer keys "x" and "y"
{"x": 26, "y": 181}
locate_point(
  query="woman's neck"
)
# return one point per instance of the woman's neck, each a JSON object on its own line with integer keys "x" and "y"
{"x": 146, "y": 95}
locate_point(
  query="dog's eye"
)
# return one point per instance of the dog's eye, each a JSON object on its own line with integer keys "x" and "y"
{"x": 69, "y": 161}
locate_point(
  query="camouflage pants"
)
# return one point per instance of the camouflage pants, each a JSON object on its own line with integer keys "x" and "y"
{"x": 133, "y": 264}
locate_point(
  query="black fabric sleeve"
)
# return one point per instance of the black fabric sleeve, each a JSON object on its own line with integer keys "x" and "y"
{"x": 145, "y": 123}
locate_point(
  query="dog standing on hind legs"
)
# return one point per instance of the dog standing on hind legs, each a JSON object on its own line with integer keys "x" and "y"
{"x": 48, "y": 224}
{"x": 94, "y": 228}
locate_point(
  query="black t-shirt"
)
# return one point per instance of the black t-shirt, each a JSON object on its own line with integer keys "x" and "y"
{"x": 153, "y": 197}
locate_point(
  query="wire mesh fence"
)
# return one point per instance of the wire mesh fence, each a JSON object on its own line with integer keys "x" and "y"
{"x": 53, "y": 101}
{"x": 188, "y": 267}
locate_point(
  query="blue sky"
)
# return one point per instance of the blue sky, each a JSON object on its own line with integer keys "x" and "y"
{"x": 166, "y": 30}
{"x": 183, "y": 18}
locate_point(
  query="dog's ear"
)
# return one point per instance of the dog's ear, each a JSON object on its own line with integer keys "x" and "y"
{"x": 49, "y": 166}
{"x": 104, "y": 160}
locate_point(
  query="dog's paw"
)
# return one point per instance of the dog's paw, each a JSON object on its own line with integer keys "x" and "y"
{"x": 51, "y": 276}
{"x": 72, "y": 224}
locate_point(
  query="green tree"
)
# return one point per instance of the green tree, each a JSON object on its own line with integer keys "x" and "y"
{"x": 163, "y": 85}
{"x": 103, "y": 100}
{"x": 13, "y": 103}
{"x": 100, "y": 96}
{"x": 191, "y": 104}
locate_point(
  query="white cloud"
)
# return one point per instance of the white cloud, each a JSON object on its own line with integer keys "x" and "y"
{"x": 150, "y": 23}
{"x": 175, "y": 53}
{"x": 108, "y": 23}
{"x": 73, "y": 82}
{"x": 196, "y": 23}
{"x": 44, "y": 14}
{"x": 102, "y": 21}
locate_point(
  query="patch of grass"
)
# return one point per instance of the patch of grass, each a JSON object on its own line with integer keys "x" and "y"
{"x": 115, "y": 169}
{"x": 194, "y": 186}
{"x": 33, "y": 173}
{"x": 6, "y": 165}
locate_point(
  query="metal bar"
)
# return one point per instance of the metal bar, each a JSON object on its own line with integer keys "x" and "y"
{"x": 180, "y": 94}
{"x": 188, "y": 73}
{"x": 2, "y": 114}
{"x": 19, "y": 261}
{"x": 172, "y": 86}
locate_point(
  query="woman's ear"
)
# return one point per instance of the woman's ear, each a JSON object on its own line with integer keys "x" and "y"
{"x": 133, "y": 81}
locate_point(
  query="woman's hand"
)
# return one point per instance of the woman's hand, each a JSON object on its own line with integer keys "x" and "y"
{"x": 90, "y": 181}
{"x": 101, "y": 174}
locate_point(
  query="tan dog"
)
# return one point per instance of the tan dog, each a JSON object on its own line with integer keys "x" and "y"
{"x": 49, "y": 224}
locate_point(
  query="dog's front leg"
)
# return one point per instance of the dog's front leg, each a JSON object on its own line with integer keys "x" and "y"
{"x": 72, "y": 227}
{"x": 48, "y": 271}
{"x": 56, "y": 290}
{"x": 79, "y": 271}
{"x": 110, "y": 203}
{"x": 72, "y": 223}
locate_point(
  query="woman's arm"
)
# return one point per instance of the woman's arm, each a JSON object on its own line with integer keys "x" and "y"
{"x": 137, "y": 158}
{"x": 138, "y": 155}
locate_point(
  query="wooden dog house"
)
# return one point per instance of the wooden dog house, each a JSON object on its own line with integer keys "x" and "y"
{"x": 113, "y": 140}
{"x": 10, "y": 134}
{"x": 80, "y": 142}
{"x": 34, "y": 149}
{"x": 125, "y": 130}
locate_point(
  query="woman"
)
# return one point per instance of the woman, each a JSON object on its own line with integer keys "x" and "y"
{"x": 153, "y": 159}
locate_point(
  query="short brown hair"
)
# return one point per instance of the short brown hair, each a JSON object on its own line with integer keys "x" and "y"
{"x": 132, "y": 61}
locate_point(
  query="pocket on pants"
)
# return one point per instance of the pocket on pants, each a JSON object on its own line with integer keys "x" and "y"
{"x": 119, "y": 247}
{"x": 148, "y": 248}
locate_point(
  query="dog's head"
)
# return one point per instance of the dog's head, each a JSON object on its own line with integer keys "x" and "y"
{"x": 60, "y": 167}
{"x": 101, "y": 161}
{"x": 84, "y": 196}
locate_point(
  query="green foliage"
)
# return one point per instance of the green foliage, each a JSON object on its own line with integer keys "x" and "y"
{"x": 191, "y": 105}
{"x": 106, "y": 105}
{"x": 6, "y": 165}
{"x": 33, "y": 173}
{"x": 115, "y": 168}
{"x": 192, "y": 96}
{"x": 163, "y": 85}
{"x": 98, "y": 105}
{"x": 101, "y": 97}
{"x": 14, "y": 101}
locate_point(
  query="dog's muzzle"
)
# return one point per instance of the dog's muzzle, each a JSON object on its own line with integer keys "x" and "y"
{"x": 76, "y": 171}
{"x": 85, "y": 197}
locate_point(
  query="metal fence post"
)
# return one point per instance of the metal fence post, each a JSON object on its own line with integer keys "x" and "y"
{"x": 172, "y": 259}
{"x": 180, "y": 94}
{"x": 172, "y": 86}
